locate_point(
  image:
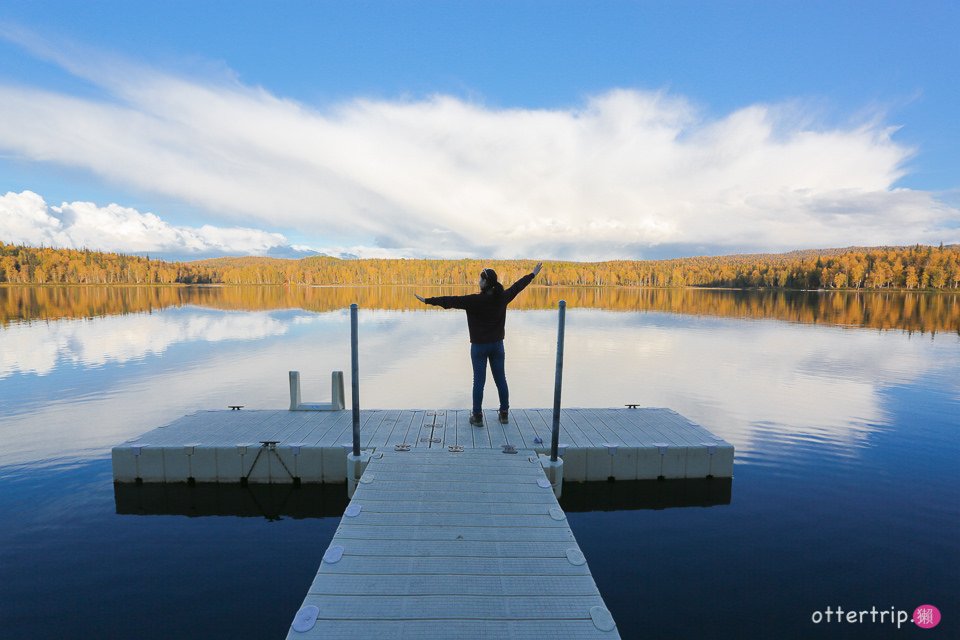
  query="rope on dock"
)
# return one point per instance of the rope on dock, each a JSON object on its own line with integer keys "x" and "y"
{"x": 268, "y": 445}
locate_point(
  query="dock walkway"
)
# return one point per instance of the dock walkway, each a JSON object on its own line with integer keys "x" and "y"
{"x": 439, "y": 544}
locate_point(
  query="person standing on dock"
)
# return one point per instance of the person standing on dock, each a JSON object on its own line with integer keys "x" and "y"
{"x": 486, "y": 317}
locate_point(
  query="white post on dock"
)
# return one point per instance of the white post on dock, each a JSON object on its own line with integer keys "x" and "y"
{"x": 294, "y": 390}
{"x": 336, "y": 391}
{"x": 555, "y": 437}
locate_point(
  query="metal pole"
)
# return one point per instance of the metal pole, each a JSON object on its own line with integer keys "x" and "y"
{"x": 555, "y": 437}
{"x": 355, "y": 373}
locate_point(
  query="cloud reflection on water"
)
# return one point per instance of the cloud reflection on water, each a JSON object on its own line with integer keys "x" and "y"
{"x": 42, "y": 347}
{"x": 758, "y": 384}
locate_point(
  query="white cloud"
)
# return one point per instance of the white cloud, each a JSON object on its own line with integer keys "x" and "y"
{"x": 625, "y": 171}
{"x": 25, "y": 218}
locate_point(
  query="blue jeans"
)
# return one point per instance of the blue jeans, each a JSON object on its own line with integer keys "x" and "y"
{"x": 479, "y": 354}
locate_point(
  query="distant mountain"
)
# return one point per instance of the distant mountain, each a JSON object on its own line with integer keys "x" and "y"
{"x": 292, "y": 253}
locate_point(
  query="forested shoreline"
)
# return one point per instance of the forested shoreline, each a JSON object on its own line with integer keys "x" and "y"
{"x": 916, "y": 267}
{"x": 920, "y": 311}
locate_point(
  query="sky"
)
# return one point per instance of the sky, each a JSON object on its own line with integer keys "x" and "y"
{"x": 548, "y": 130}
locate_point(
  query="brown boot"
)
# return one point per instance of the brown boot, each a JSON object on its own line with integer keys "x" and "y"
{"x": 504, "y": 416}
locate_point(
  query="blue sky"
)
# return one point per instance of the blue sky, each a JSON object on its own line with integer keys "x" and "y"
{"x": 582, "y": 130}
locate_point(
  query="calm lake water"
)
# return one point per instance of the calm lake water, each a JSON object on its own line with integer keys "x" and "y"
{"x": 844, "y": 410}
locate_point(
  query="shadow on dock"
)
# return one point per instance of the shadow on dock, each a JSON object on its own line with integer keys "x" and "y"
{"x": 275, "y": 501}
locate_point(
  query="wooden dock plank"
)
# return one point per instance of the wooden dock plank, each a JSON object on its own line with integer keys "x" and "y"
{"x": 414, "y": 475}
{"x": 454, "y": 630}
{"x": 438, "y": 432}
{"x": 685, "y": 430}
{"x": 661, "y": 425}
{"x": 368, "y": 585}
{"x": 512, "y": 433}
{"x": 605, "y": 432}
{"x": 306, "y": 423}
{"x": 572, "y": 432}
{"x": 464, "y": 437}
{"x": 459, "y": 460}
{"x": 532, "y": 428}
{"x": 597, "y": 433}
{"x": 282, "y": 427}
{"x": 487, "y": 534}
{"x": 491, "y": 422}
{"x": 424, "y": 430}
{"x": 377, "y": 435}
{"x": 481, "y": 435}
{"x": 627, "y": 437}
{"x": 207, "y": 427}
{"x": 453, "y": 549}
{"x": 451, "y": 436}
{"x": 455, "y": 519}
{"x": 436, "y": 470}
{"x": 452, "y": 607}
{"x": 638, "y": 422}
{"x": 464, "y": 566}
{"x": 322, "y": 433}
{"x": 368, "y": 492}
{"x": 342, "y": 432}
{"x": 568, "y": 434}
{"x": 443, "y": 486}
{"x": 436, "y": 506}
{"x": 254, "y": 430}
{"x": 408, "y": 421}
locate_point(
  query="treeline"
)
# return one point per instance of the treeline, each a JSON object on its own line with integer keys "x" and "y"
{"x": 918, "y": 267}
{"x": 924, "y": 312}
{"x": 31, "y": 265}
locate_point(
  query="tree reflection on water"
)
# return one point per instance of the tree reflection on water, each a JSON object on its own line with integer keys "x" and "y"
{"x": 906, "y": 311}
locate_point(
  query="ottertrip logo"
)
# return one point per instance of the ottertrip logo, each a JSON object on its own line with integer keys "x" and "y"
{"x": 926, "y": 616}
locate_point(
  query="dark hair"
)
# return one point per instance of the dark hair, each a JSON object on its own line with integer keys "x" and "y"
{"x": 493, "y": 285}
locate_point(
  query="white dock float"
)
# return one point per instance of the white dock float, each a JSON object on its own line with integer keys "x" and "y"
{"x": 596, "y": 444}
{"x": 437, "y": 544}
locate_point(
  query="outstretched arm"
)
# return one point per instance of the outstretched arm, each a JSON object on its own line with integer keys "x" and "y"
{"x": 448, "y": 302}
{"x": 522, "y": 283}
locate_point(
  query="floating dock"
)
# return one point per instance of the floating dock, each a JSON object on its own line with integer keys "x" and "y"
{"x": 441, "y": 544}
{"x": 281, "y": 446}
{"x": 453, "y": 530}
